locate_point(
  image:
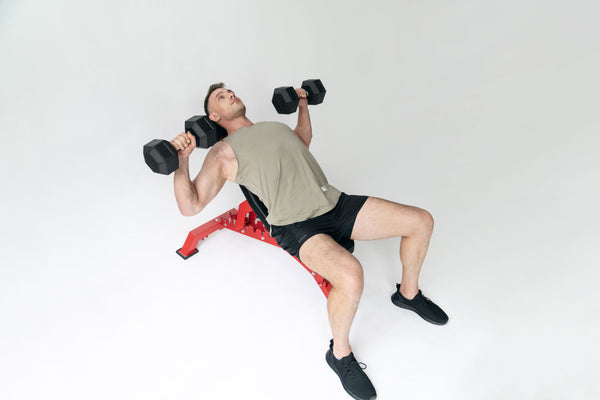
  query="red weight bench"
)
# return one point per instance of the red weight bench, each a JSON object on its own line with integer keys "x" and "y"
{"x": 243, "y": 220}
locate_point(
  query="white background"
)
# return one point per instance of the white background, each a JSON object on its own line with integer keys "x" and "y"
{"x": 484, "y": 113}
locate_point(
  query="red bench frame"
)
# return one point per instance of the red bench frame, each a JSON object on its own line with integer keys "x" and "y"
{"x": 242, "y": 220}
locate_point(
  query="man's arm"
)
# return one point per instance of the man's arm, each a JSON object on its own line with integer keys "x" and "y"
{"x": 303, "y": 128}
{"x": 192, "y": 197}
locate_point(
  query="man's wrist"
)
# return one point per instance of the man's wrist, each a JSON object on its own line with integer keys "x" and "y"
{"x": 183, "y": 164}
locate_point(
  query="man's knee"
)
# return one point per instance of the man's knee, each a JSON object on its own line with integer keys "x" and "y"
{"x": 426, "y": 221}
{"x": 420, "y": 223}
{"x": 351, "y": 278}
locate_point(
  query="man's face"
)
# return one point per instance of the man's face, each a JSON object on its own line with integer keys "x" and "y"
{"x": 224, "y": 105}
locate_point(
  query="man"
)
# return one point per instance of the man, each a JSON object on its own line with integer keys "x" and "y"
{"x": 309, "y": 218}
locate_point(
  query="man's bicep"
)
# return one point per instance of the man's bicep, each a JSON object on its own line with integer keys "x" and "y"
{"x": 210, "y": 179}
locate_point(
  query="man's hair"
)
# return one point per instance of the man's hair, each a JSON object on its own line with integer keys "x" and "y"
{"x": 211, "y": 89}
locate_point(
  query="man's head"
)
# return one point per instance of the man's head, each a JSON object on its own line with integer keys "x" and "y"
{"x": 221, "y": 104}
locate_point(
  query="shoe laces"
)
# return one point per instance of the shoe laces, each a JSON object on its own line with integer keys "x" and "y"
{"x": 353, "y": 367}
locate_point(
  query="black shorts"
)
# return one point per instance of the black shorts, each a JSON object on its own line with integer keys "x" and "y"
{"x": 337, "y": 223}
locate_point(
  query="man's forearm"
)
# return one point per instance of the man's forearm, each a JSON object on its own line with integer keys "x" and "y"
{"x": 186, "y": 194}
{"x": 304, "y": 127}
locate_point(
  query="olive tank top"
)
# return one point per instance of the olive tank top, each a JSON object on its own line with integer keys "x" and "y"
{"x": 275, "y": 165}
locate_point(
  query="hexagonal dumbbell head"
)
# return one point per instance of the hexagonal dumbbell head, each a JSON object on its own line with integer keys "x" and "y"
{"x": 316, "y": 90}
{"x": 161, "y": 156}
{"x": 206, "y": 131}
{"x": 285, "y": 100}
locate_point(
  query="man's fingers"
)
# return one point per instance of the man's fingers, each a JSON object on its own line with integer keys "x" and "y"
{"x": 302, "y": 93}
{"x": 181, "y": 142}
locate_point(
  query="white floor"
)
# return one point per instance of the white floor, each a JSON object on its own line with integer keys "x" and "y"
{"x": 484, "y": 113}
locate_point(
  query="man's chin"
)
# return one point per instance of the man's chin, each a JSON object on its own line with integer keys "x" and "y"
{"x": 241, "y": 112}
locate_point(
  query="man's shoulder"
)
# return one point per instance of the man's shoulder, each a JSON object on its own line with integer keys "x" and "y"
{"x": 221, "y": 150}
{"x": 221, "y": 156}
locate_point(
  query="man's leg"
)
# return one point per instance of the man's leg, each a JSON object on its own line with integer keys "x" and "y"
{"x": 380, "y": 219}
{"x": 330, "y": 260}
{"x": 326, "y": 257}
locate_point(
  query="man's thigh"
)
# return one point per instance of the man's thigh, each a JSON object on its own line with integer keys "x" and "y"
{"x": 325, "y": 256}
{"x": 380, "y": 219}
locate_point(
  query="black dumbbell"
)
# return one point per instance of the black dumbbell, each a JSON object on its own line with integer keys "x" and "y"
{"x": 161, "y": 156}
{"x": 286, "y": 100}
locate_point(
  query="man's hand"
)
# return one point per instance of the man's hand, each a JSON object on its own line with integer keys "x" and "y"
{"x": 302, "y": 94}
{"x": 184, "y": 143}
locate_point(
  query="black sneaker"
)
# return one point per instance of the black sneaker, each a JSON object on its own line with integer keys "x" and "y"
{"x": 350, "y": 372}
{"x": 426, "y": 308}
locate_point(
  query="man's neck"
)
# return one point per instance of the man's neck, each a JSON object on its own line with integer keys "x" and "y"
{"x": 236, "y": 124}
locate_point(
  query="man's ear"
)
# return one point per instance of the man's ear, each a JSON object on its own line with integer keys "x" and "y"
{"x": 214, "y": 117}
